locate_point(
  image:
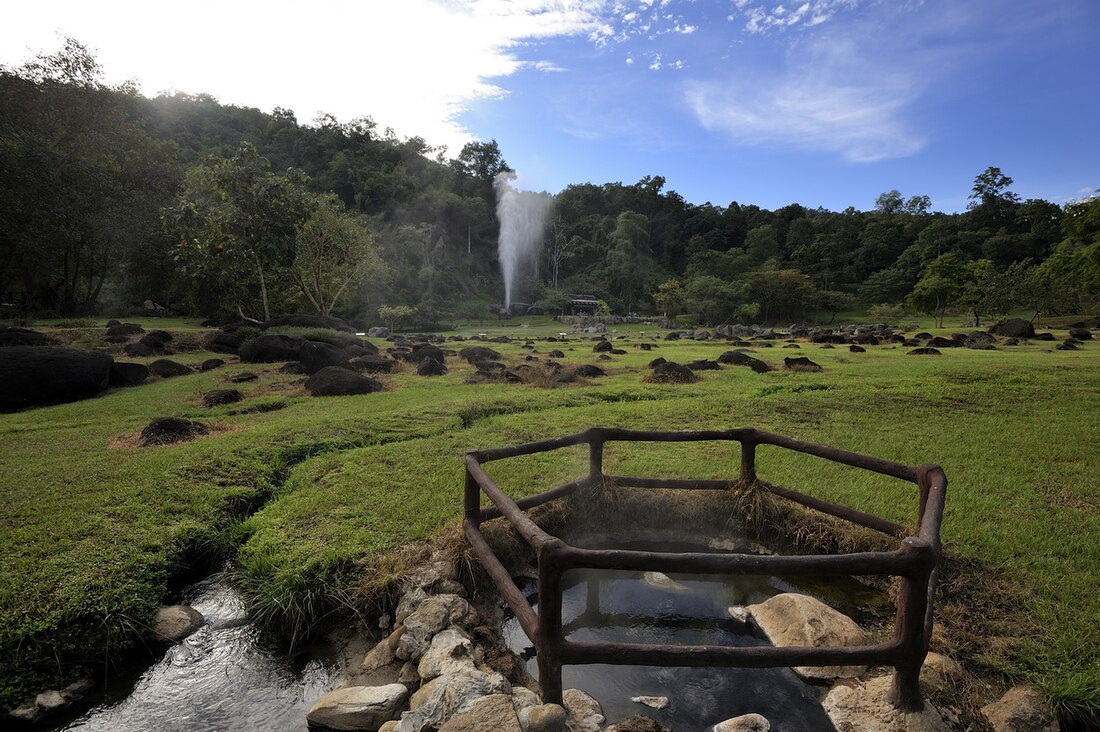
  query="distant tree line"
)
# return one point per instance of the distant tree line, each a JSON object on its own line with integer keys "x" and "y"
{"x": 109, "y": 199}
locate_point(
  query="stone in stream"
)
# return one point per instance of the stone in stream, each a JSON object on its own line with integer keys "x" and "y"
{"x": 791, "y": 619}
{"x": 1021, "y": 708}
{"x": 543, "y": 718}
{"x": 653, "y": 702}
{"x": 440, "y": 698}
{"x": 863, "y": 706}
{"x": 583, "y": 712}
{"x": 450, "y": 650}
{"x": 744, "y": 723}
{"x": 493, "y": 713}
{"x": 662, "y": 581}
{"x": 359, "y": 707}
{"x": 638, "y": 723}
{"x": 175, "y": 622}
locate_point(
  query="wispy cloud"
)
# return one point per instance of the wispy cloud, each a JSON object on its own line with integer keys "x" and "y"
{"x": 831, "y": 98}
{"x": 766, "y": 17}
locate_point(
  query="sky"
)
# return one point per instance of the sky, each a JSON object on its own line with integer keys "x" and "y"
{"x": 819, "y": 102}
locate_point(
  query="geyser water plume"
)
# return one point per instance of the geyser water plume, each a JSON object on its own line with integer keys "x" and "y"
{"x": 522, "y": 216}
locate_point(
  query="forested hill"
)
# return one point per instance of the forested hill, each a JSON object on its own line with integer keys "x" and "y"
{"x": 108, "y": 199}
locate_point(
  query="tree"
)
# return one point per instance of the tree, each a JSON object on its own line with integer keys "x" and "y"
{"x": 761, "y": 244}
{"x": 670, "y": 297}
{"x": 559, "y": 248}
{"x": 941, "y": 286}
{"x": 392, "y": 315}
{"x": 890, "y": 203}
{"x": 992, "y": 204}
{"x": 333, "y": 252}
{"x": 627, "y": 260}
{"x": 834, "y": 301}
{"x": 236, "y": 218}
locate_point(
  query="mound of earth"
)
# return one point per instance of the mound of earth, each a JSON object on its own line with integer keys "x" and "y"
{"x": 271, "y": 348}
{"x": 128, "y": 374}
{"x": 671, "y": 372}
{"x": 801, "y": 363}
{"x": 740, "y": 358}
{"x": 221, "y": 396}
{"x": 23, "y": 337}
{"x": 338, "y": 381}
{"x": 166, "y": 369}
{"x": 35, "y": 375}
{"x": 168, "y": 430}
{"x": 307, "y": 321}
{"x": 660, "y": 360}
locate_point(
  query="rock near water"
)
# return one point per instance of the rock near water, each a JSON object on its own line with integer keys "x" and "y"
{"x": 359, "y": 707}
{"x": 791, "y": 619}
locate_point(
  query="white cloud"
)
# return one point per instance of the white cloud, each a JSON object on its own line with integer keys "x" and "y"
{"x": 415, "y": 65}
{"x": 548, "y": 67}
{"x": 762, "y": 18}
{"x": 834, "y": 99}
{"x": 629, "y": 60}
{"x": 655, "y": 64}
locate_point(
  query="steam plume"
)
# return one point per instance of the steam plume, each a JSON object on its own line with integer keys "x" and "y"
{"x": 522, "y": 216}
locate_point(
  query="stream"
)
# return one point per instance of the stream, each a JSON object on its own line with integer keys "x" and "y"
{"x": 228, "y": 675}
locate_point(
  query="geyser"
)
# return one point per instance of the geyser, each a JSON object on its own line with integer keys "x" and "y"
{"x": 522, "y": 216}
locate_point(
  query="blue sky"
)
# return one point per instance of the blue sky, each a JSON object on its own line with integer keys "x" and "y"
{"x": 820, "y": 102}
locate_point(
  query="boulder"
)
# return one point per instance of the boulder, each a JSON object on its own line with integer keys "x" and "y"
{"x": 125, "y": 330}
{"x": 338, "y": 381}
{"x": 449, "y": 651}
{"x": 370, "y": 364}
{"x": 473, "y": 354}
{"x": 589, "y": 371}
{"x": 315, "y": 356}
{"x": 1081, "y": 334}
{"x": 542, "y": 718}
{"x": 493, "y": 713}
{"x": 166, "y": 369}
{"x": 556, "y": 354}
{"x": 857, "y": 349}
{"x": 359, "y": 707}
{"x": 800, "y": 363}
{"x": 243, "y": 377}
{"x": 430, "y": 367}
{"x": 378, "y": 331}
{"x": 137, "y": 350}
{"x": 219, "y": 397}
{"x": 1043, "y": 337}
{"x": 602, "y": 347}
{"x": 291, "y": 367}
{"x": 583, "y": 712}
{"x": 939, "y": 342}
{"x": 173, "y": 623}
{"x": 939, "y": 673}
{"x": 223, "y": 342}
{"x": 432, "y": 615}
{"x": 653, "y": 702}
{"x": 863, "y": 707}
{"x": 127, "y": 374}
{"x": 36, "y": 375}
{"x": 1014, "y": 328}
{"x": 660, "y": 360}
{"x": 307, "y": 321}
{"x": 739, "y": 358}
{"x": 671, "y": 372}
{"x": 791, "y": 619}
{"x": 925, "y": 351}
{"x": 744, "y": 723}
{"x": 442, "y": 697}
{"x": 382, "y": 654}
{"x": 638, "y": 723}
{"x": 1021, "y": 709}
{"x": 168, "y": 430}
{"x": 702, "y": 364}
{"x": 23, "y": 337}
{"x": 211, "y": 363}
{"x": 271, "y": 349}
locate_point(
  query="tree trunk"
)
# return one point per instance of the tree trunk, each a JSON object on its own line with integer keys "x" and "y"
{"x": 263, "y": 286}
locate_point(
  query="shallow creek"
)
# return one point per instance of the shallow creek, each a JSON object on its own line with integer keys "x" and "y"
{"x": 228, "y": 675}
{"x": 683, "y": 610}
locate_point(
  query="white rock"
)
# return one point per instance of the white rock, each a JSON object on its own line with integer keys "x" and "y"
{"x": 740, "y": 613}
{"x": 1021, "y": 708}
{"x": 432, "y": 615}
{"x": 522, "y": 697}
{"x": 359, "y": 707}
{"x": 862, "y": 707}
{"x": 583, "y": 713}
{"x": 939, "y": 672}
{"x": 543, "y": 718}
{"x": 662, "y": 581}
{"x": 791, "y": 619}
{"x": 440, "y": 698}
{"x": 744, "y": 723}
{"x": 654, "y": 702}
{"x": 449, "y": 651}
{"x": 493, "y": 712}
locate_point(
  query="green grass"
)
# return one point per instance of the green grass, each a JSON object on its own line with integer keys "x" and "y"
{"x": 93, "y": 528}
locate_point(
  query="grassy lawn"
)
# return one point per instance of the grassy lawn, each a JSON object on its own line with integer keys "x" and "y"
{"x": 94, "y": 527}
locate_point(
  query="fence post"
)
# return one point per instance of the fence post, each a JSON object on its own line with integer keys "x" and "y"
{"x": 748, "y": 459}
{"x": 909, "y": 627}
{"x": 549, "y": 634}
{"x": 595, "y": 457}
{"x": 472, "y": 499}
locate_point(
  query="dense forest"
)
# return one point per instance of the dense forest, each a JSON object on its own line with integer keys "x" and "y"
{"x": 109, "y": 200}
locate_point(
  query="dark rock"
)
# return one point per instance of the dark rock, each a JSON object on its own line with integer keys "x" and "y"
{"x": 638, "y": 723}
{"x": 315, "y": 356}
{"x": 980, "y": 336}
{"x": 644, "y": 346}
{"x": 833, "y": 338}
{"x": 128, "y": 374}
{"x": 1012, "y": 342}
{"x": 657, "y": 362}
{"x": 589, "y": 371}
{"x": 703, "y": 364}
{"x": 370, "y": 364}
{"x": 243, "y": 377}
{"x": 792, "y": 345}
{"x": 430, "y": 367}
{"x": 673, "y": 336}
{"x": 161, "y": 335}
{"x": 555, "y": 354}
{"x": 221, "y": 396}
{"x": 125, "y": 329}
{"x": 338, "y": 381}
{"x": 472, "y": 354}
{"x": 911, "y": 343}
{"x": 308, "y": 321}
{"x": 959, "y": 337}
{"x": 801, "y": 363}
{"x": 168, "y": 430}
{"x": 867, "y": 339}
{"x": 857, "y": 349}
{"x": 981, "y": 346}
{"x": 36, "y": 375}
{"x": 378, "y": 331}
{"x": 926, "y": 351}
{"x": 357, "y": 350}
{"x": 671, "y": 372}
{"x": 1014, "y": 328}
{"x": 490, "y": 366}
{"x": 154, "y": 344}
{"x": 604, "y": 357}
{"x": 1043, "y": 337}
{"x": 1081, "y": 334}
{"x": 291, "y": 367}
{"x": 940, "y": 342}
{"x": 618, "y": 351}
{"x": 924, "y": 336}
{"x": 739, "y": 358}
{"x": 111, "y": 322}
{"x": 1069, "y": 345}
{"x": 166, "y": 369}
{"x": 211, "y": 363}
{"x": 23, "y": 337}
{"x": 137, "y": 350}
{"x": 602, "y": 347}
{"x": 223, "y": 342}
{"x": 271, "y": 348}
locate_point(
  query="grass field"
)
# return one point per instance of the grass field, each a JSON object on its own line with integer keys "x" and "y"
{"x": 93, "y": 528}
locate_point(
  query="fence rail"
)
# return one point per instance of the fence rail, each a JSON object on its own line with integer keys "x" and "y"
{"x": 915, "y": 560}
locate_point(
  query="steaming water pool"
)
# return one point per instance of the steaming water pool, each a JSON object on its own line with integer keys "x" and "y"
{"x": 228, "y": 675}
{"x": 634, "y": 610}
